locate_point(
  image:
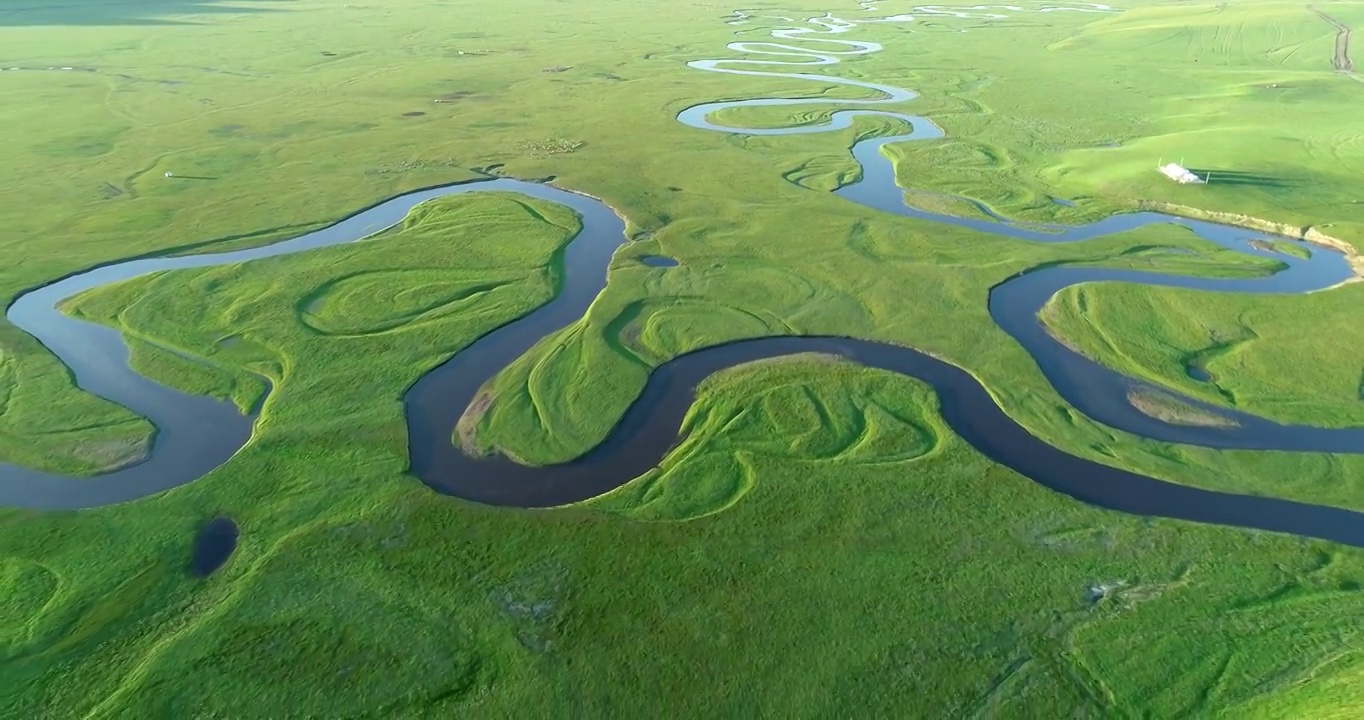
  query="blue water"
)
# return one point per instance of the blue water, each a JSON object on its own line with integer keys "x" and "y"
{"x": 196, "y": 435}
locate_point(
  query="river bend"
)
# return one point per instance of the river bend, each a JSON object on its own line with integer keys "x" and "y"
{"x": 197, "y": 434}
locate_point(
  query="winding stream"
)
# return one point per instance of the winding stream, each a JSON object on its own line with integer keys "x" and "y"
{"x": 1095, "y": 390}
{"x": 196, "y": 434}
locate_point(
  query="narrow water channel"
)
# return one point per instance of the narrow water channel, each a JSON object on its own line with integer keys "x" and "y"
{"x": 196, "y": 435}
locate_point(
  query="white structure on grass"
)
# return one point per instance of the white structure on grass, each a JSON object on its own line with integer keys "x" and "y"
{"x": 1180, "y": 174}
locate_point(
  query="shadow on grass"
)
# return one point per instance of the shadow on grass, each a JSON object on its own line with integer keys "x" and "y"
{"x": 84, "y": 13}
{"x": 1237, "y": 177}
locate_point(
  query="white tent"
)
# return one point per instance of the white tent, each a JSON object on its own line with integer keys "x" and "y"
{"x": 1180, "y": 174}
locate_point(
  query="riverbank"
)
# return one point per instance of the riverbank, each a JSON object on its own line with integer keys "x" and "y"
{"x": 1307, "y": 234}
{"x": 828, "y": 534}
{"x": 1259, "y": 357}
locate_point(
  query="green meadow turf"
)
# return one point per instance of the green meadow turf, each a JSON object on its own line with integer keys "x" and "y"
{"x": 820, "y": 542}
{"x": 1264, "y": 357}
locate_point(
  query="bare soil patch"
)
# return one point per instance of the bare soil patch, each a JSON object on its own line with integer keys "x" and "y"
{"x": 111, "y": 455}
{"x": 1341, "y": 58}
{"x": 468, "y": 422}
{"x": 1168, "y": 408}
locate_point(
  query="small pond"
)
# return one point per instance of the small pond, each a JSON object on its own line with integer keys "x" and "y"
{"x": 213, "y": 546}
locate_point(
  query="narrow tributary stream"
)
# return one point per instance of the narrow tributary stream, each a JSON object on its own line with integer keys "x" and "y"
{"x": 197, "y": 434}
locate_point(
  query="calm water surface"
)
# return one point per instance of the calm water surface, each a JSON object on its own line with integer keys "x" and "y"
{"x": 196, "y": 435}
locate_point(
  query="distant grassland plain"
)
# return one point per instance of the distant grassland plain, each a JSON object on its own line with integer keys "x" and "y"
{"x": 839, "y": 542}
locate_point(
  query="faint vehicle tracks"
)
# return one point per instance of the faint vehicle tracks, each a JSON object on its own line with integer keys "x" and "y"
{"x": 1342, "y": 54}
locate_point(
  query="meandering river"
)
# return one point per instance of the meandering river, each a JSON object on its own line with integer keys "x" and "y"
{"x": 196, "y": 435}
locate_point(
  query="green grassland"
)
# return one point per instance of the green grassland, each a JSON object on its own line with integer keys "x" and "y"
{"x": 820, "y": 530}
{"x": 424, "y": 606}
{"x": 1264, "y": 357}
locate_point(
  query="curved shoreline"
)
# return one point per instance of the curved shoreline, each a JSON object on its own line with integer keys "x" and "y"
{"x": 1095, "y": 390}
{"x": 196, "y": 435}
{"x": 1307, "y": 234}
{"x": 649, "y": 429}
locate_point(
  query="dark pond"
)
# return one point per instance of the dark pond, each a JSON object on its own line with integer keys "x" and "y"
{"x": 1198, "y": 372}
{"x": 213, "y": 546}
{"x": 658, "y": 261}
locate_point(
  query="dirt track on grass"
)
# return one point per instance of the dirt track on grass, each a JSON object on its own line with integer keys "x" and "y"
{"x": 1343, "y": 32}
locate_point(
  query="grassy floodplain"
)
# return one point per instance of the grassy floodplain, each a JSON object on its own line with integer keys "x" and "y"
{"x": 820, "y": 530}
{"x": 1254, "y": 355}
